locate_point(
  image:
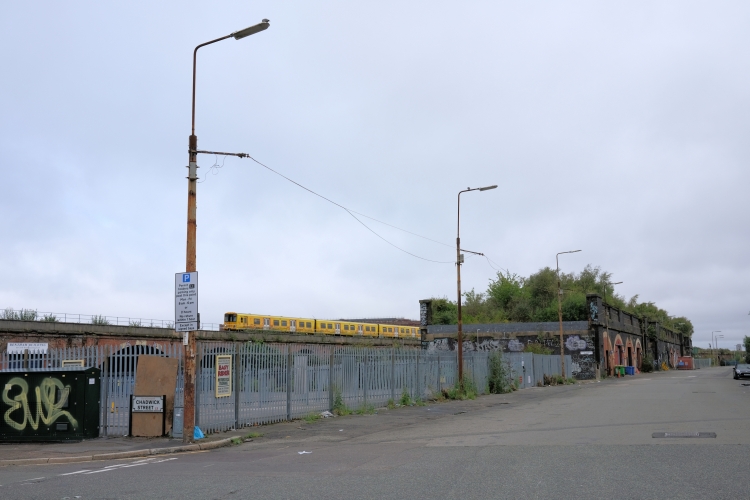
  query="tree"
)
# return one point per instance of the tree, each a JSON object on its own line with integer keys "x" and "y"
{"x": 510, "y": 297}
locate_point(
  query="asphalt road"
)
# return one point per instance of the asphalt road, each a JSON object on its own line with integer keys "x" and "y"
{"x": 586, "y": 441}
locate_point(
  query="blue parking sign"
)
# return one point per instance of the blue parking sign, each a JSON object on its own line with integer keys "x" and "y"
{"x": 186, "y": 278}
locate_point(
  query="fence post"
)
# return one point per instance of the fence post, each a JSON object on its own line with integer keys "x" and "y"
{"x": 236, "y": 386}
{"x": 103, "y": 427}
{"x": 393, "y": 373}
{"x": 439, "y": 384}
{"x": 288, "y": 383}
{"x": 419, "y": 393}
{"x": 364, "y": 379}
{"x": 330, "y": 378}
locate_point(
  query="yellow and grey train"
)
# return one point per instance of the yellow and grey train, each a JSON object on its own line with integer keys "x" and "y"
{"x": 239, "y": 321}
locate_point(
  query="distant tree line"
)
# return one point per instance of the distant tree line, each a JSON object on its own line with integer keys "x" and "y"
{"x": 513, "y": 298}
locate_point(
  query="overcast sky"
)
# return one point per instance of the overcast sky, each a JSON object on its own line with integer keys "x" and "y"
{"x": 620, "y": 128}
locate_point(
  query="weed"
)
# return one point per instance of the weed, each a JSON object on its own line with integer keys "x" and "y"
{"x": 253, "y": 435}
{"x": 390, "y": 404}
{"x": 499, "y": 379}
{"x": 405, "y": 398}
{"x": 469, "y": 390}
{"x": 22, "y": 315}
{"x": 135, "y": 323}
{"x": 236, "y": 440}
{"x": 49, "y": 318}
{"x": 312, "y": 417}
{"x": 419, "y": 402}
{"x": 339, "y": 408}
{"x": 365, "y": 410}
{"x": 99, "y": 320}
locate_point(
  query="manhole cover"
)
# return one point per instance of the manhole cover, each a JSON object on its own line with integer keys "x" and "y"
{"x": 683, "y": 435}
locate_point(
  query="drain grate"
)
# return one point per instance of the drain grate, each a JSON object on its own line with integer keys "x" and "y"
{"x": 683, "y": 435}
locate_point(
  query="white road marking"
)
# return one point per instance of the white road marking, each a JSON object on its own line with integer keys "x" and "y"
{"x": 71, "y": 473}
{"x": 35, "y": 479}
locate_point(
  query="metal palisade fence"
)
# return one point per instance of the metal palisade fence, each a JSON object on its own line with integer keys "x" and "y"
{"x": 267, "y": 383}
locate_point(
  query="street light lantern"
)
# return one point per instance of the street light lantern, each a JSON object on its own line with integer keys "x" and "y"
{"x": 251, "y": 30}
{"x": 486, "y": 188}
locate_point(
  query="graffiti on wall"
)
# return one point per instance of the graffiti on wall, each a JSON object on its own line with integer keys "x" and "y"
{"x": 51, "y": 397}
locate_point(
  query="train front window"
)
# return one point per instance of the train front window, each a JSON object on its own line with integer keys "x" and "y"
{"x": 230, "y": 318}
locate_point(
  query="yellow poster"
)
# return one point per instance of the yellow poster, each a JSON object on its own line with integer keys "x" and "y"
{"x": 223, "y": 376}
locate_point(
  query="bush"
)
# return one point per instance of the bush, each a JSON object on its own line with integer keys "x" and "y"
{"x": 405, "y": 398}
{"x": 469, "y": 390}
{"x": 647, "y": 364}
{"x": 499, "y": 374}
{"x": 99, "y": 320}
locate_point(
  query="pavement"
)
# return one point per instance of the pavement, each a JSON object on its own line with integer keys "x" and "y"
{"x": 584, "y": 441}
{"x": 107, "y": 448}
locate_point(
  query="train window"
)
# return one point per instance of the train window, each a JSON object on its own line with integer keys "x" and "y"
{"x": 346, "y": 327}
{"x": 276, "y": 322}
{"x": 283, "y": 322}
{"x": 367, "y": 328}
{"x": 309, "y": 325}
{"x": 256, "y": 321}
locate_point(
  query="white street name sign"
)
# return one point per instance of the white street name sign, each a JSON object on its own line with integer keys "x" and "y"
{"x": 147, "y": 404}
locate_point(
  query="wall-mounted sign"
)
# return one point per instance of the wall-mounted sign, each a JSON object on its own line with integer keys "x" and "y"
{"x": 223, "y": 376}
{"x": 186, "y": 302}
{"x": 32, "y": 347}
{"x": 66, "y": 363}
{"x": 148, "y": 404}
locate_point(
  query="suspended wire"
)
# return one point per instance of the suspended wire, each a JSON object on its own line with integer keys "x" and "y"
{"x": 215, "y": 167}
{"x": 352, "y": 212}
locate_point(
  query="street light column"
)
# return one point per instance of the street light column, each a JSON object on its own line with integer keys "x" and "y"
{"x": 188, "y": 423}
{"x": 559, "y": 311}
{"x": 459, "y": 261}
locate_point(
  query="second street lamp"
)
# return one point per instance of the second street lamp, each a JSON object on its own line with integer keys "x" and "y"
{"x": 559, "y": 311}
{"x": 459, "y": 261}
{"x": 190, "y": 259}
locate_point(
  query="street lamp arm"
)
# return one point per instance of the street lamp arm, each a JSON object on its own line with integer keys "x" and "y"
{"x": 475, "y": 253}
{"x": 195, "y": 56}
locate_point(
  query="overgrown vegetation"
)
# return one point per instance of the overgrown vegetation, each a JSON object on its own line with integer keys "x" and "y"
{"x": 22, "y": 315}
{"x": 499, "y": 376}
{"x": 99, "y": 320}
{"x": 469, "y": 390}
{"x": 513, "y": 298}
{"x": 647, "y": 363}
{"x": 405, "y": 398}
{"x": 339, "y": 408}
{"x": 312, "y": 417}
{"x": 253, "y": 435}
{"x": 556, "y": 380}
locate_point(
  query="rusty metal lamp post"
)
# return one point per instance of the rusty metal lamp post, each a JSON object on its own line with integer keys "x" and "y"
{"x": 190, "y": 264}
{"x": 459, "y": 261}
{"x": 559, "y": 311}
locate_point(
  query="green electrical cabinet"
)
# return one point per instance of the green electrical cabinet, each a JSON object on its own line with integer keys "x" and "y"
{"x": 50, "y": 405}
